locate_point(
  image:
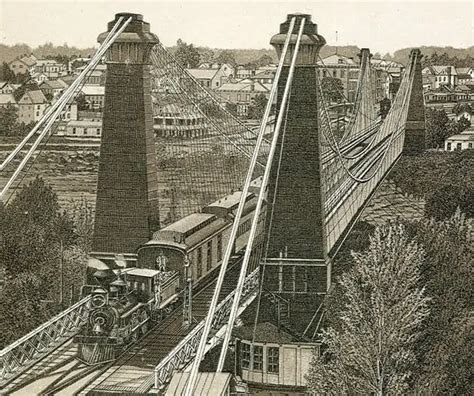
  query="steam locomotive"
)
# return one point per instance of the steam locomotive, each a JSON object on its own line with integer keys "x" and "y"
{"x": 128, "y": 299}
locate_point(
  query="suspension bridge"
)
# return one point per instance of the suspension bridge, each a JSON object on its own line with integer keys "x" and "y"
{"x": 305, "y": 184}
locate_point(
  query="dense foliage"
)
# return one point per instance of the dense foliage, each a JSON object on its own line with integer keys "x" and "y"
{"x": 444, "y": 179}
{"x": 445, "y": 353}
{"x": 439, "y": 127}
{"x": 371, "y": 348}
{"x": 36, "y": 237}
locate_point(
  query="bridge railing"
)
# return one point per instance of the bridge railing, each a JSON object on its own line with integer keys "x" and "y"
{"x": 16, "y": 358}
{"x": 184, "y": 352}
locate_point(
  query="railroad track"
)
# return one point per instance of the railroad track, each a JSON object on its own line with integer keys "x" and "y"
{"x": 135, "y": 367}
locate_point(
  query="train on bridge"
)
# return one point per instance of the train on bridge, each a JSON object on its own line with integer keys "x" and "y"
{"x": 127, "y": 301}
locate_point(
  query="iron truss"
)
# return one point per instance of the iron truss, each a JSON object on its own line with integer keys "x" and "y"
{"x": 28, "y": 350}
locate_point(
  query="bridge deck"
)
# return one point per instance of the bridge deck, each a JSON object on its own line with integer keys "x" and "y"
{"x": 60, "y": 373}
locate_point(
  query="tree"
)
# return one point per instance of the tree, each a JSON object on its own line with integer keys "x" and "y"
{"x": 436, "y": 127}
{"x": 371, "y": 349}
{"x": 257, "y": 107}
{"x": 228, "y": 57}
{"x": 443, "y": 202}
{"x": 6, "y": 73}
{"x": 186, "y": 55}
{"x": 206, "y": 55}
{"x": 445, "y": 353}
{"x": 463, "y": 124}
{"x": 264, "y": 60}
{"x": 332, "y": 89}
{"x": 8, "y": 120}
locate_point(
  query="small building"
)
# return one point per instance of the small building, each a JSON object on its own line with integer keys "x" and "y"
{"x": 461, "y": 141}
{"x": 177, "y": 121}
{"x": 51, "y": 68}
{"x": 244, "y": 72}
{"x": 94, "y": 96}
{"x": 272, "y": 358}
{"x": 465, "y": 75}
{"x": 7, "y": 88}
{"x": 23, "y": 65}
{"x": 212, "y": 78}
{"x": 53, "y": 87}
{"x": 83, "y": 128}
{"x": 243, "y": 93}
{"x": 7, "y": 99}
{"x": 39, "y": 77}
{"x": 32, "y": 106}
{"x": 345, "y": 69}
{"x": 444, "y": 75}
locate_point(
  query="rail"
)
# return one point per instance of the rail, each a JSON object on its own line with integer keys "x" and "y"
{"x": 184, "y": 352}
{"x": 18, "y": 357}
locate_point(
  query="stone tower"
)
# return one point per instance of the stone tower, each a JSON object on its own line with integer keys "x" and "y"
{"x": 415, "y": 126}
{"x": 127, "y": 190}
{"x": 295, "y": 268}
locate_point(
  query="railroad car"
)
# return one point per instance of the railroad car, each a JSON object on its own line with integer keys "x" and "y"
{"x": 126, "y": 301}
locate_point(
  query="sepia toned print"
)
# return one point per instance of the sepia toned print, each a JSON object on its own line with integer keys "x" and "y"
{"x": 236, "y": 198}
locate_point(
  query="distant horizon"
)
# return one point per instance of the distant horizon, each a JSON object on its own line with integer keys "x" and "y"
{"x": 382, "y": 26}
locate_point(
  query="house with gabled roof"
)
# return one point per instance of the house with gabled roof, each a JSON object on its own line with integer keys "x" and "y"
{"x": 32, "y": 106}
{"x": 212, "y": 78}
{"x": 444, "y": 75}
{"x": 243, "y": 93}
{"x": 23, "y": 65}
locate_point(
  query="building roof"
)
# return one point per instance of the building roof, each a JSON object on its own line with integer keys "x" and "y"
{"x": 91, "y": 90}
{"x": 7, "y": 98}
{"x": 264, "y": 74}
{"x": 42, "y": 62}
{"x": 26, "y": 60}
{"x": 54, "y": 84}
{"x": 338, "y": 60}
{"x": 436, "y": 70}
{"x": 203, "y": 74}
{"x": 97, "y": 67}
{"x": 189, "y": 222}
{"x": 85, "y": 123}
{"x": 214, "y": 384}
{"x": 464, "y": 70}
{"x": 264, "y": 332}
{"x": 464, "y": 136}
{"x": 33, "y": 97}
{"x": 243, "y": 86}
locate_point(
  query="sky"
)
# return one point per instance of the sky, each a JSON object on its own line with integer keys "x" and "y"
{"x": 382, "y": 26}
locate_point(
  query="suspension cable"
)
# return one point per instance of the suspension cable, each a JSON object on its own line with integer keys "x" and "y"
{"x": 191, "y": 383}
{"x": 261, "y": 196}
{"x": 392, "y": 135}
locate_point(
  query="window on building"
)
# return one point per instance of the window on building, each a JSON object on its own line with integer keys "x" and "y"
{"x": 199, "y": 262}
{"x": 209, "y": 255}
{"x": 449, "y": 145}
{"x": 470, "y": 145}
{"x": 245, "y": 355}
{"x": 273, "y": 356}
{"x": 98, "y": 131}
{"x": 219, "y": 244}
{"x": 73, "y": 131}
{"x": 258, "y": 358}
{"x": 248, "y": 98}
{"x": 238, "y": 97}
{"x": 458, "y": 146}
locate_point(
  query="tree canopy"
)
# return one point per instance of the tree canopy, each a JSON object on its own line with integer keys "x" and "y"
{"x": 186, "y": 55}
{"x": 371, "y": 348}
